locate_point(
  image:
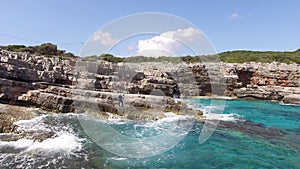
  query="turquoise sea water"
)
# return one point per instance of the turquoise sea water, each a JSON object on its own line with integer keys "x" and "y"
{"x": 226, "y": 148}
{"x": 271, "y": 114}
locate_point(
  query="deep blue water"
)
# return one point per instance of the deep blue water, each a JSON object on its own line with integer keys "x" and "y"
{"x": 226, "y": 148}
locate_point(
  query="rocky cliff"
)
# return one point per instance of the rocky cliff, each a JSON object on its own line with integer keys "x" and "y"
{"x": 270, "y": 81}
{"x": 66, "y": 85}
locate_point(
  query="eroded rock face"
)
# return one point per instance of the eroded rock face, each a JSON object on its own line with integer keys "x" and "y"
{"x": 25, "y": 67}
{"x": 56, "y": 85}
{"x": 269, "y": 81}
{"x": 261, "y": 92}
{"x": 11, "y": 89}
{"x": 257, "y": 80}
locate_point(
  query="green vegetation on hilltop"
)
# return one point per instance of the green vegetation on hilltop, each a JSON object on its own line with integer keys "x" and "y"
{"x": 265, "y": 57}
{"x": 229, "y": 57}
{"x": 104, "y": 57}
{"x": 133, "y": 59}
{"x": 239, "y": 56}
{"x": 46, "y": 49}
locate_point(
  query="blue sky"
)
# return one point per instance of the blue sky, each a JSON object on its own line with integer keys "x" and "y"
{"x": 228, "y": 24}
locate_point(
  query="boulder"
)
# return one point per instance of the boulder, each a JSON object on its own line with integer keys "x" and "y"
{"x": 292, "y": 99}
{"x": 10, "y": 114}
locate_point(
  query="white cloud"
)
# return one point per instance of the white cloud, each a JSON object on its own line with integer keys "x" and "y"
{"x": 167, "y": 43}
{"x": 105, "y": 38}
{"x": 189, "y": 34}
{"x": 234, "y": 15}
{"x": 157, "y": 43}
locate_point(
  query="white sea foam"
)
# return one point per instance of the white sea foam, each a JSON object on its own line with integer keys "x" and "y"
{"x": 223, "y": 117}
{"x": 174, "y": 117}
{"x": 18, "y": 144}
{"x": 169, "y": 118}
{"x": 118, "y": 158}
{"x": 54, "y": 151}
{"x": 116, "y": 119}
{"x": 35, "y": 124}
{"x": 156, "y": 127}
{"x": 66, "y": 142}
{"x": 209, "y": 111}
{"x": 64, "y": 138}
{"x": 288, "y": 104}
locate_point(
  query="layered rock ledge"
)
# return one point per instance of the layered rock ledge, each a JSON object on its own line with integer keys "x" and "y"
{"x": 73, "y": 85}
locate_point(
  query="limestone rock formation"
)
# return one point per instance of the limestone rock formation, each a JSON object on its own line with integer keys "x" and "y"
{"x": 270, "y": 81}
{"x": 73, "y": 85}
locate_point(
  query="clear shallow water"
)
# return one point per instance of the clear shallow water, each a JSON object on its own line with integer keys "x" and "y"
{"x": 226, "y": 148}
{"x": 271, "y": 114}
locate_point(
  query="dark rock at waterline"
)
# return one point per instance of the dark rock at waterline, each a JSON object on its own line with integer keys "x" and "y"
{"x": 36, "y": 136}
{"x": 10, "y": 114}
{"x": 9, "y": 137}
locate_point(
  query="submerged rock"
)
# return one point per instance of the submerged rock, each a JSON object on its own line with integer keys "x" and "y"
{"x": 251, "y": 128}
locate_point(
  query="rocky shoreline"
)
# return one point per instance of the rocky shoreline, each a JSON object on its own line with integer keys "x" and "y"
{"x": 71, "y": 85}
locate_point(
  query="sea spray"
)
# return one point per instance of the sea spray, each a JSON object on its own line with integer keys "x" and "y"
{"x": 56, "y": 150}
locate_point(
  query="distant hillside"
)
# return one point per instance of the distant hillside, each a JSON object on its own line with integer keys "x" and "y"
{"x": 265, "y": 57}
{"x": 229, "y": 57}
{"x": 240, "y": 56}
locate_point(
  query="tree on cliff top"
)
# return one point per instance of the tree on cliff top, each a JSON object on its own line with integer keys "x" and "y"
{"x": 47, "y": 49}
